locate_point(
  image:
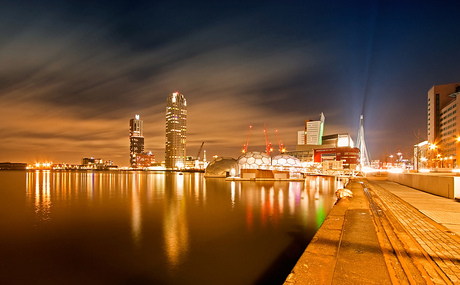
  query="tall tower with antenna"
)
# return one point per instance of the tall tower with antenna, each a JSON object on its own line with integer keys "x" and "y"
{"x": 364, "y": 157}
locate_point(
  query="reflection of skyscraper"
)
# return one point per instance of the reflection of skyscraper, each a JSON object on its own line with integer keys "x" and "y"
{"x": 176, "y": 118}
{"x": 136, "y": 139}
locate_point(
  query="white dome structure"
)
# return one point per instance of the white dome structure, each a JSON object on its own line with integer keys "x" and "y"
{"x": 286, "y": 162}
{"x": 254, "y": 160}
{"x": 222, "y": 167}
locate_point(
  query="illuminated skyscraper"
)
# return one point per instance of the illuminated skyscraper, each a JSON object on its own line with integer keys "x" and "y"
{"x": 176, "y": 119}
{"x": 136, "y": 139}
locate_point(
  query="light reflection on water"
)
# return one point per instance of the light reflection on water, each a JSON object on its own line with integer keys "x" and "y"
{"x": 176, "y": 235}
{"x": 171, "y": 229}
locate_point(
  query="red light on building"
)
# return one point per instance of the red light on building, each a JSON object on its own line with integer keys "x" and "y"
{"x": 349, "y": 155}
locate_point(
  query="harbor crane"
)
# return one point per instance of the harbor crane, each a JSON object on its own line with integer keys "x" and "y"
{"x": 280, "y": 143}
{"x": 197, "y": 160}
{"x": 245, "y": 146}
{"x": 199, "y": 151}
{"x": 268, "y": 145}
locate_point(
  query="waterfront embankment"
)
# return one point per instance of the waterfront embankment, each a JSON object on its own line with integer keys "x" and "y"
{"x": 441, "y": 184}
{"x": 387, "y": 233}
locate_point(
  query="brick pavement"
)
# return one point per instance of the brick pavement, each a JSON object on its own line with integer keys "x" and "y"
{"x": 440, "y": 244}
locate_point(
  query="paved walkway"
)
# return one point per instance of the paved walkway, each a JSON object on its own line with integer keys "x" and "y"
{"x": 442, "y": 210}
{"x": 428, "y": 219}
{"x": 386, "y": 234}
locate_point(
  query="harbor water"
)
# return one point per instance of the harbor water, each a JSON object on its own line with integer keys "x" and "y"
{"x": 137, "y": 227}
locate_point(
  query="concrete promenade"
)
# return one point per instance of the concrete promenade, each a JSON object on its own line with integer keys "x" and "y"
{"x": 386, "y": 234}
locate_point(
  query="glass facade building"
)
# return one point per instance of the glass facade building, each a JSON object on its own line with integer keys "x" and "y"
{"x": 176, "y": 119}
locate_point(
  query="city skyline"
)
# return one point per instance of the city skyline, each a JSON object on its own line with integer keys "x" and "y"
{"x": 73, "y": 74}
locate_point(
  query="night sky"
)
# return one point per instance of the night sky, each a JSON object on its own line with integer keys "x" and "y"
{"x": 72, "y": 74}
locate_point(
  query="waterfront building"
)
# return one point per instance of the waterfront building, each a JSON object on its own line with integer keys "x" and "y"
{"x": 89, "y": 163}
{"x": 442, "y": 130}
{"x": 306, "y": 153}
{"x": 222, "y": 167}
{"x": 12, "y": 166}
{"x": 145, "y": 159}
{"x": 255, "y": 165}
{"x": 348, "y": 156}
{"x": 313, "y": 147}
{"x": 136, "y": 140}
{"x": 176, "y": 119}
{"x": 92, "y": 163}
{"x": 301, "y": 137}
{"x": 314, "y": 131}
{"x": 338, "y": 140}
{"x": 421, "y": 155}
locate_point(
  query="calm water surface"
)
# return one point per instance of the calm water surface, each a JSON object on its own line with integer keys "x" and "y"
{"x": 154, "y": 228}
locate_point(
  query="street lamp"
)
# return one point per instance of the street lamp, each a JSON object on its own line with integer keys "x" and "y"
{"x": 432, "y": 147}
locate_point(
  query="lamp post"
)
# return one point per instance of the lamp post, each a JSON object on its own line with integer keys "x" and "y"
{"x": 432, "y": 147}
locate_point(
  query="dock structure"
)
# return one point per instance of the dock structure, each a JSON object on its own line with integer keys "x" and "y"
{"x": 386, "y": 233}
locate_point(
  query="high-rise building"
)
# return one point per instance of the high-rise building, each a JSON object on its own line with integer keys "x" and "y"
{"x": 443, "y": 125}
{"x": 313, "y": 131}
{"x": 136, "y": 139}
{"x": 176, "y": 119}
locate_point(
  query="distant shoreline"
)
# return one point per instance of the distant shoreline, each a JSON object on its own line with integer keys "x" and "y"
{"x": 105, "y": 170}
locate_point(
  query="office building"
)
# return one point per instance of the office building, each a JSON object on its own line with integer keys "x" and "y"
{"x": 176, "y": 119}
{"x": 314, "y": 147}
{"x": 301, "y": 137}
{"x": 136, "y": 140}
{"x": 313, "y": 132}
{"x": 442, "y": 130}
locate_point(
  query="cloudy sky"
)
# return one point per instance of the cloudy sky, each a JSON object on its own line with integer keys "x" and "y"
{"x": 72, "y": 74}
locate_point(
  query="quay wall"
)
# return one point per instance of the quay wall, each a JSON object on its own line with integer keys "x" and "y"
{"x": 339, "y": 252}
{"x": 442, "y": 185}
